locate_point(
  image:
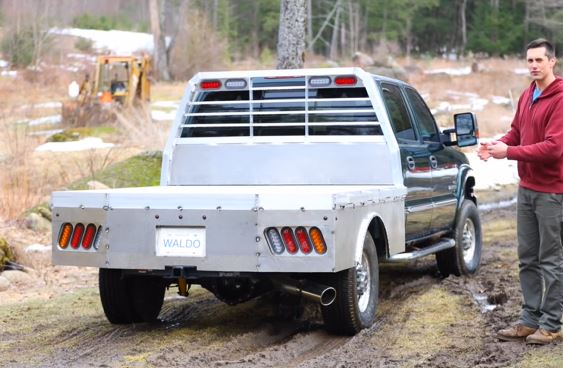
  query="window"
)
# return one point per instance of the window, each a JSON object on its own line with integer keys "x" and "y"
{"x": 329, "y": 111}
{"x": 423, "y": 116}
{"x": 398, "y": 114}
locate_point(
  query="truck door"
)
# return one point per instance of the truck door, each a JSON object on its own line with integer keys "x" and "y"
{"x": 415, "y": 163}
{"x": 442, "y": 162}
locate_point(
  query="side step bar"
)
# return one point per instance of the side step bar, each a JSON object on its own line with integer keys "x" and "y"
{"x": 434, "y": 248}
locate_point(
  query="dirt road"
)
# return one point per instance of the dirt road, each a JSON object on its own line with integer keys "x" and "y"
{"x": 423, "y": 321}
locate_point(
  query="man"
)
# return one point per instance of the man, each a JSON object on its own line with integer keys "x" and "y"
{"x": 535, "y": 140}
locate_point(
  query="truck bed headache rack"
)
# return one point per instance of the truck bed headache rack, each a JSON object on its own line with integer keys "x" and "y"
{"x": 280, "y": 106}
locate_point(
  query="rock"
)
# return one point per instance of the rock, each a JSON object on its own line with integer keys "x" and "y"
{"x": 362, "y": 60}
{"x": 37, "y": 222}
{"x": 37, "y": 248}
{"x": 17, "y": 277}
{"x": 93, "y": 184}
{"x": 4, "y": 283}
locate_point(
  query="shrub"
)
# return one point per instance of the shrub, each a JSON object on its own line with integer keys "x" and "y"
{"x": 84, "y": 44}
{"x": 18, "y": 47}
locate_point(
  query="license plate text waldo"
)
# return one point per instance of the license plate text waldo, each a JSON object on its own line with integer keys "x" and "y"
{"x": 180, "y": 241}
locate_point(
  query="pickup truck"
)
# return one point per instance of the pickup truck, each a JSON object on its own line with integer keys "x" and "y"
{"x": 291, "y": 182}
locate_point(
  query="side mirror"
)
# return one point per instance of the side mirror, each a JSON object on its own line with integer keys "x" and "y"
{"x": 466, "y": 129}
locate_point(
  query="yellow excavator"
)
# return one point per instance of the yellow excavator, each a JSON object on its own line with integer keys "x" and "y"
{"x": 119, "y": 82}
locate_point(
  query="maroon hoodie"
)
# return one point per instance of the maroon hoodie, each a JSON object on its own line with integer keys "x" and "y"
{"x": 536, "y": 139}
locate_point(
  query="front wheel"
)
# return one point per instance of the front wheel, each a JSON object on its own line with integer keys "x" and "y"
{"x": 357, "y": 292}
{"x": 465, "y": 257}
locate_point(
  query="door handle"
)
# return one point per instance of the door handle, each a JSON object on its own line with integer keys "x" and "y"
{"x": 433, "y": 162}
{"x": 410, "y": 163}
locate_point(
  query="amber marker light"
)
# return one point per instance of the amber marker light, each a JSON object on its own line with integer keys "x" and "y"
{"x": 64, "y": 235}
{"x": 318, "y": 240}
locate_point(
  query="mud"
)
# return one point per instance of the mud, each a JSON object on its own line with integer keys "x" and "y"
{"x": 423, "y": 321}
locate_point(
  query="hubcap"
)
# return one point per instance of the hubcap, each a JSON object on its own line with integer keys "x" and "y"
{"x": 363, "y": 281}
{"x": 468, "y": 241}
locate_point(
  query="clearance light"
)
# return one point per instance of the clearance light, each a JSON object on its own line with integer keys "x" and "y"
{"x": 348, "y": 80}
{"x": 211, "y": 84}
{"x": 98, "y": 238}
{"x": 289, "y": 240}
{"x": 319, "y": 81}
{"x": 303, "y": 240}
{"x": 275, "y": 240}
{"x": 89, "y": 236}
{"x": 235, "y": 84}
{"x": 64, "y": 235}
{"x": 318, "y": 240}
{"x": 77, "y": 236}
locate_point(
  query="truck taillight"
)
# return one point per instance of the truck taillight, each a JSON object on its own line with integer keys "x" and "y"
{"x": 64, "y": 235}
{"x": 77, "y": 236}
{"x": 303, "y": 240}
{"x": 318, "y": 240}
{"x": 289, "y": 240}
{"x": 275, "y": 240}
{"x": 210, "y": 84}
{"x": 346, "y": 80}
{"x": 89, "y": 236}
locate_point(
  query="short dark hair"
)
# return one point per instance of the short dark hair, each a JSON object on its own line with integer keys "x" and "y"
{"x": 542, "y": 42}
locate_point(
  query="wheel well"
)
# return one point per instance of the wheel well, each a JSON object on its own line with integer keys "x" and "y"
{"x": 468, "y": 191}
{"x": 379, "y": 235}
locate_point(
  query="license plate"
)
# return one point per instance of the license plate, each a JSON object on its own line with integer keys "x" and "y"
{"x": 180, "y": 241}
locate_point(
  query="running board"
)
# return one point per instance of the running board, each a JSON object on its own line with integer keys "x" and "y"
{"x": 434, "y": 248}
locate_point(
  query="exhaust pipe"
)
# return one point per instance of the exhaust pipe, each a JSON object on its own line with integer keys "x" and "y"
{"x": 310, "y": 290}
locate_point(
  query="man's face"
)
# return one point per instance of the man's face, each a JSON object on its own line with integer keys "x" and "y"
{"x": 539, "y": 65}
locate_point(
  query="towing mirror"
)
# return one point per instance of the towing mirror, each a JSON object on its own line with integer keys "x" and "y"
{"x": 466, "y": 129}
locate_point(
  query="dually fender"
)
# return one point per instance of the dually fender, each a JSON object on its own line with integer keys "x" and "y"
{"x": 392, "y": 237}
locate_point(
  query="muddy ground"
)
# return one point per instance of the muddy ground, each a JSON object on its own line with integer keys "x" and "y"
{"x": 423, "y": 321}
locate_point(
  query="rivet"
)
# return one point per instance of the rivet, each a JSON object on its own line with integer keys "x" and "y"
{"x": 204, "y": 217}
{"x": 257, "y": 239}
{"x": 180, "y": 208}
{"x": 147, "y": 208}
{"x": 302, "y": 209}
{"x": 107, "y": 229}
{"x": 156, "y": 217}
{"x": 218, "y": 208}
{"x": 56, "y": 215}
{"x": 82, "y": 207}
{"x": 180, "y": 217}
{"x": 257, "y": 254}
{"x": 325, "y": 218}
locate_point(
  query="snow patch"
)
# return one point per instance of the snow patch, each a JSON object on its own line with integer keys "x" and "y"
{"x": 450, "y": 71}
{"x": 37, "y": 248}
{"x": 118, "y": 42}
{"x": 163, "y": 115}
{"x": 89, "y": 143}
{"x": 46, "y": 120}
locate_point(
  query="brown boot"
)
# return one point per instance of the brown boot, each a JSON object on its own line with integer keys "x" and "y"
{"x": 516, "y": 332}
{"x": 543, "y": 337}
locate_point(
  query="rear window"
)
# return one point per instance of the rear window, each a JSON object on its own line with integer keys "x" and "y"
{"x": 278, "y": 108}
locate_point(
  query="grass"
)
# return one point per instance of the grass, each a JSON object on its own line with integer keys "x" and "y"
{"x": 543, "y": 357}
{"x": 499, "y": 229}
{"x": 137, "y": 171}
{"x": 409, "y": 337}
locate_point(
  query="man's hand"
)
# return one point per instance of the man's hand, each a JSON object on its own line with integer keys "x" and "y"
{"x": 497, "y": 149}
{"x": 483, "y": 152}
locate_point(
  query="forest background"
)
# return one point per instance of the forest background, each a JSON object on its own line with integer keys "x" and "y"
{"x": 234, "y": 30}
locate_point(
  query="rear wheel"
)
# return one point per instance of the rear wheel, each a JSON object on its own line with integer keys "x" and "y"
{"x": 465, "y": 257}
{"x": 131, "y": 299}
{"x": 357, "y": 292}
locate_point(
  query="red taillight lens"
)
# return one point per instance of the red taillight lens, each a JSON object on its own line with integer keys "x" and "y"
{"x": 64, "y": 235}
{"x": 211, "y": 84}
{"x": 89, "y": 236}
{"x": 303, "y": 240}
{"x": 348, "y": 80}
{"x": 77, "y": 236}
{"x": 289, "y": 240}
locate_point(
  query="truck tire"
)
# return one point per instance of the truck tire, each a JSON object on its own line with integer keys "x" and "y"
{"x": 357, "y": 296}
{"x": 465, "y": 257}
{"x": 132, "y": 299}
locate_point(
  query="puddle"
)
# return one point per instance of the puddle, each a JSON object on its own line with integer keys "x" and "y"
{"x": 497, "y": 205}
{"x": 483, "y": 303}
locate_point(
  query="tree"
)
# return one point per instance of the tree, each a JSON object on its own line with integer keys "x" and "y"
{"x": 160, "y": 55}
{"x": 291, "y": 34}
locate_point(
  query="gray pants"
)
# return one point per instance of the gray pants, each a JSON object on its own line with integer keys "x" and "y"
{"x": 540, "y": 251}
